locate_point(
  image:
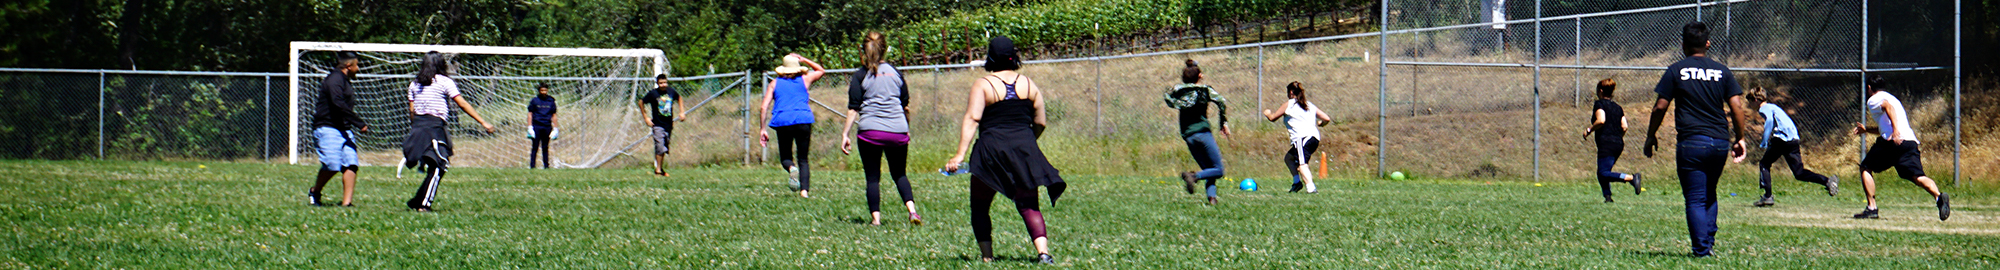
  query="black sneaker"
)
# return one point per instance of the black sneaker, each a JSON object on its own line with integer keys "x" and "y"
{"x": 312, "y": 198}
{"x": 1636, "y": 189}
{"x": 1944, "y": 206}
{"x": 1296, "y": 186}
{"x": 1045, "y": 259}
{"x": 1833, "y": 185}
{"x": 1607, "y": 199}
{"x": 1766, "y": 202}
{"x": 1188, "y": 177}
{"x": 1871, "y": 213}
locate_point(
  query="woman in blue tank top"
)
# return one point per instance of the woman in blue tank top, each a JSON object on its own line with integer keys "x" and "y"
{"x": 787, "y": 110}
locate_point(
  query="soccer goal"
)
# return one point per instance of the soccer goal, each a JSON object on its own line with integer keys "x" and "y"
{"x": 596, "y": 92}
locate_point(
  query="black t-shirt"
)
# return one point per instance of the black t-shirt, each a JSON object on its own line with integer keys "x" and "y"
{"x": 660, "y": 104}
{"x": 1700, "y": 89}
{"x": 1609, "y": 131}
{"x": 542, "y": 110}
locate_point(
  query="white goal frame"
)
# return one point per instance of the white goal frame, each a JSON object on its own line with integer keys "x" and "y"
{"x": 300, "y": 47}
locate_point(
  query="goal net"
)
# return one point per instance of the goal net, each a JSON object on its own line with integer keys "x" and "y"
{"x": 596, "y": 92}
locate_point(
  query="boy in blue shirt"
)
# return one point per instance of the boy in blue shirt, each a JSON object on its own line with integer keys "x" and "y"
{"x": 1781, "y": 140}
{"x": 542, "y": 116}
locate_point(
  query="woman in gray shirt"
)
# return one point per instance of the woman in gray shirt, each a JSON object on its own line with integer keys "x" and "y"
{"x": 879, "y": 101}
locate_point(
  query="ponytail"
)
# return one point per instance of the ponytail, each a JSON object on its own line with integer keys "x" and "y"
{"x": 1299, "y": 92}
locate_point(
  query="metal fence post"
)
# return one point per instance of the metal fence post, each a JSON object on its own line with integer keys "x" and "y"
{"x": 1099, "y": 89}
{"x": 1382, "y": 94}
{"x": 100, "y": 115}
{"x": 1260, "y": 77}
{"x": 267, "y": 119}
{"x": 1576, "y": 78}
{"x": 1957, "y": 92}
{"x": 1860, "y": 145}
{"x": 1537, "y": 102}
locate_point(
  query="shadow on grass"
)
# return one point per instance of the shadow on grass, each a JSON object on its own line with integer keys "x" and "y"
{"x": 1663, "y": 254}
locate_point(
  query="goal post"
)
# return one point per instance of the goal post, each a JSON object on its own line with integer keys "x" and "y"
{"x": 602, "y": 79}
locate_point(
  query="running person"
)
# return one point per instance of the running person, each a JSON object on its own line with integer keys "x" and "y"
{"x": 788, "y": 110}
{"x": 1191, "y": 99}
{"x": 1610, "y": 139}
{"x": 542, "y": 119}
{"x": 1896, "y": 148}
{"x": 334, "y": 123}
{"x": 1302, "y": 120}
{"x": 659, "y": 105}
{"x": 1005, "y": 110}
{"x": 429, "y": 145}
{"x": 878, "y": 98}
{"x": 1708, "y": 115}
{"x": 1781, "y": 141}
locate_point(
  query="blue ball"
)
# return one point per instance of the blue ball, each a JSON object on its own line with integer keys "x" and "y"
{"x": 1248, "y": 184}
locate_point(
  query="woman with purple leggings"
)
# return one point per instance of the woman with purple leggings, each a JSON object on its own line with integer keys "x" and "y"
{"x": 878, "y": 99}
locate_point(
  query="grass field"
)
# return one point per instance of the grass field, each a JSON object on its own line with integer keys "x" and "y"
{"x": 168, "y": 215}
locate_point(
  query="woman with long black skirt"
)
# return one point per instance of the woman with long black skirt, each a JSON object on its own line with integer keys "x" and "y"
{"x": 1005, "y": 110}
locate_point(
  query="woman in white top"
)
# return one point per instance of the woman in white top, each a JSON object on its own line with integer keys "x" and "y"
{"x": 1302, "y": 120}
{"x": 428, "y": 143}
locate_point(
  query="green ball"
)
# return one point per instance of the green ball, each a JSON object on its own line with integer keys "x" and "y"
{"x": 1397, "y": 175}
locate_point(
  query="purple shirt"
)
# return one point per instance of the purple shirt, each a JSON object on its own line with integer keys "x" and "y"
{"x": 884, "y": 138}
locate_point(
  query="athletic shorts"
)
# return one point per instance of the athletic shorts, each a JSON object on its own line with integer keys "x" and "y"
{"x": 660, "y": 138}
{"x": 1908, "y": 161}
{"x": 336, "y": 149}
{"x": 1301, "y": 152}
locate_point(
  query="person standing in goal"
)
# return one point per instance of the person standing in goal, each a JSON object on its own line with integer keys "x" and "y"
{"x": 659, "y": 106}
{"x": 542, "y": 117}
{"x": 1191, "y": 99}
{"x": 1708, "y": 107}
{"x": 878, "y": 99}
{"x": 1607, "y": 119}
{"x": 1781, "y": 141}
{"x": 788, "y": 108}
{"x": 1302, "y": 120}
{"x": 334, "y": 123}
{"x": 1896, "y": 148}
{"x": 429, "y": 145}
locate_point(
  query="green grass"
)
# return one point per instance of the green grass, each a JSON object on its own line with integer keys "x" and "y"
{"x": 63, "y": 214}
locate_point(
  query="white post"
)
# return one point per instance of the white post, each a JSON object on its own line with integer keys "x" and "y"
{"x": 292, "y": 128}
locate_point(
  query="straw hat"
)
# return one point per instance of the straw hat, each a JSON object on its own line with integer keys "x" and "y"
{"x": 791, "y": 66}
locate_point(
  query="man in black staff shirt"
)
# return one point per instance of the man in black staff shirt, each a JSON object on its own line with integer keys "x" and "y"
{"x": 1698, "y": 88}
{"x": 659, "y": 105}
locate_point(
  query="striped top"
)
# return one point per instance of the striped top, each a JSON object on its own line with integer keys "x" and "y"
{"x": 434, "y": 99}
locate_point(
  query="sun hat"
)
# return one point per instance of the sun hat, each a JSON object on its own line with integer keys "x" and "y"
{"x": 791, "y": 66}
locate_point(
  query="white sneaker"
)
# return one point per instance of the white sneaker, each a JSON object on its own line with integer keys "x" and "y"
{"x": 1312, "y": 188}
{"x": 792, "y": 178}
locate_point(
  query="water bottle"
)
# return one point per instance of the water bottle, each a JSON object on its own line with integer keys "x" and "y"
{"x": 962, "y": 169}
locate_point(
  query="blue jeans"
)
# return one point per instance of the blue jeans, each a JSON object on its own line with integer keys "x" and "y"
{"x": 1604, "y": 174}
{"x": 1202, "y": 147}
{"x": 1700, "y": 160}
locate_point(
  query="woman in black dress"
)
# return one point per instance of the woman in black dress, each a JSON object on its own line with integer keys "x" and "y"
{"x": 1005, "y": 110}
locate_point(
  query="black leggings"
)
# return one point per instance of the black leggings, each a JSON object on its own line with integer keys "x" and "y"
{"x": 871, "y": 162}
{"x": 427, "y": 191}
{"x": 539, "y": 144}
{"x": 796, "y": 139}
{"x": 982, "y": 202}
{"x": 1788, "y": 151}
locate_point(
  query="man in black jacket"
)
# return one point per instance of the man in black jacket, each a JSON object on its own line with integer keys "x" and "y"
{"x": 334, "y": 123}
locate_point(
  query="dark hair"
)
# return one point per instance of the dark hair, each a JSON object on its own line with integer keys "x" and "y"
{"x": 662, "y": 76}
{"x": 1191, "y": 73}
{"x": 872, "y": 49}
{"x": 433, "y": 65}
{"x": 1299, "y": 90}
{"x": 1000, "y": 54}
{"x": 1606, "y": 87}
{"x": 1694, "y": 38}
{"x": 1756, "y": 95}
{"x": 539, "y": 86}
{"x": 341, "y": 58}
{"x": 1876, "y": 83}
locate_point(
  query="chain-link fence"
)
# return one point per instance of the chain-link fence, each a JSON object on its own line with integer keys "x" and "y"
{"x": 1445, "y": 94}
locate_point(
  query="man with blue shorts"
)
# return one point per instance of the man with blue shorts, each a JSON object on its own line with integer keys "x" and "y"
{"x": 334, "y": 123}
{"x": 1698, "y": 89}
